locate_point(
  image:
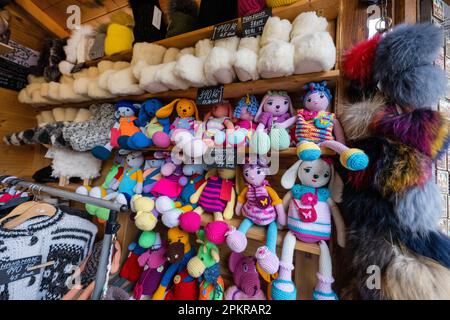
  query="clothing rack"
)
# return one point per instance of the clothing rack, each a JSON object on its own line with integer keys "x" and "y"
{"x": 111, "y": 226}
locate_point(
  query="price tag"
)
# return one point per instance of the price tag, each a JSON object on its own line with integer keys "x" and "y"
{"x": 225, "y": 30}
{"x": 14, "y": 270}
{"x": 225, "y": 158}
{"x": 253, "y": 24}
{"x": 210, "y": 95}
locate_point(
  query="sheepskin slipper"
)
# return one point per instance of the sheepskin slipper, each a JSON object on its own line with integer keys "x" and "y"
{"x": 81, "y": 85}
{"x": 276, "y": 29}
{"x": 314, "y": 53}
{"x": 167, "y": 77}
{"x": 191, "y": 68}
{"x": 246, "y": 60}
{"x": 308, "y": 23}
{"x": 68, "y": 163}
{"x": 94, "y": 91}
{"x": 146, "y": 54}
{"x": 276, "y": 60}
{"x": 148, "y": 81}
{"x": 219, "y": 63}
{"x": 103, "y": 78}
{"x": 124, "y": 83}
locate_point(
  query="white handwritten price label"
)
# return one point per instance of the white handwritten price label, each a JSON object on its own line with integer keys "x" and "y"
{"x": 210, "y": 95}
{"x": 253, "y": 24}
{"x": 225, "y": 30}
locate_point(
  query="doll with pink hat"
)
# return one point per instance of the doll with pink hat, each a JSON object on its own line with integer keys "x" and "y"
{"x": 243, "y": 119}
{"x": 217, "y": 123}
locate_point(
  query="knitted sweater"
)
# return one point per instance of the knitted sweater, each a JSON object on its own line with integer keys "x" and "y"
{"x": 62, "y": 238}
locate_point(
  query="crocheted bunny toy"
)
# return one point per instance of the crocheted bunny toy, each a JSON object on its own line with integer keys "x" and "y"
{"x": 154, "y": 130}
{"x": 318, "y": 131}
{"x": 243, "y": 117}
{"x": 195, "y": 177}
{"x": 124, "y": 127}
{"x": 260, "y": 205}
{"x": 274, "y": 117}
{"x": 183, "y": 128}
{"x": 217, "y": 196}
{"x": 247, "y": 285}
{"x": 217, "y": 124}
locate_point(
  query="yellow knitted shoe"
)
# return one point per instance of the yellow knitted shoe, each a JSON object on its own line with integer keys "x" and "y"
{"x": 279, "y": 3}
{"x": 354, "y": 159}
{"x": 308, "y": 151}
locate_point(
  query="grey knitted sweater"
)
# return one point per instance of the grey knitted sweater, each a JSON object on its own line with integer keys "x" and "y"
{"x": 63, "y": 238}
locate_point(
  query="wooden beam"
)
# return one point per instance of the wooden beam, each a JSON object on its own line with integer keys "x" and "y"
{"x": 43, "y": 18}
{"x": 405, "y": 11}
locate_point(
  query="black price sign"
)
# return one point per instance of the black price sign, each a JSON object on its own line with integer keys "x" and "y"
{"x": 253, "y": 24}
{"x": 225, "y": 158}
{"x": 14, "y": 270}
{"x": 225, "y": 30}
{"x": 210, "y": 95}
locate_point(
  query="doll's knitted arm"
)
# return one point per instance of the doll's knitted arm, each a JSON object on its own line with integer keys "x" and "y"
{"x": 286, "y": 200}
{"x": 240, "y": 201}
{"x": 196, "y": 196}
{"x": 339, "y": 221}
{"x": 140, "y": 181}
{"x": 228, "y": 212}
{"x": 288, "y": 123}
{"x": 278, "y": 204}
{"x": 338, "y": 131}
{"x": 228, "y": 124}
{"x": 167, "y": 277}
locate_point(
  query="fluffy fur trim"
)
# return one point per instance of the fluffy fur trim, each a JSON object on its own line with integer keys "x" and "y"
{"x": 68, "y": 163}
{"x": 124, "y": 83}
{"x": 424, "y": 129}
{"x": 53, "y": 91}
{"x": 171, "y": 55}
{"x": 355, "y": 118}
{"x": 246, "y": 65}
{"x": 308, "y": 23}
{"x": 203, "y": 48}
{"x": 231, "y": 43}
{"x": 191, "y": 69}
{"x": 149, "y": 52}
{"x": 80, "y": 86}
{"x": 404, "y": 65}
{"x": 419, "y": 209}
{"x": 65, "y": 67}
{"x": 104, "y": 65}
{"x": 314, "y": 53}
{"x": 95, "y": 92}
{"x": 24, "y": 97}
{"x": 276, "y": 60}
{"x": 137, "y": 69}
{"x": 357, "y": 63}
{"x": 148, "y": 80}
{"x": 276, "y": 30}
{"x": 250, "y": 43}
{"x": 412, "y": 277}
{"x": 67, "y": 94}
{"x": 189, "y": 50}
{"x": 166, "y": 75}
{"x": 219, "y": 64}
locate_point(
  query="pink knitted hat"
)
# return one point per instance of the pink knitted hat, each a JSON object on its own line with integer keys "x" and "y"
{"x": 246, "y": 7}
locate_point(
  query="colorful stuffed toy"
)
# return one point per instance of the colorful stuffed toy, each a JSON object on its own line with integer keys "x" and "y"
{"x": 216, "y": 196}
{"x": 179, "y": 253}
{"x": 195, "y": 177}
{"x": 172, "y": 181}
{"x": 244, "y": 114}
{"x": 131, "y": 270}
{"x": 184, "y": 287}
{"x": 155, "y": 264}
{"x": 247, "y": 285}
{"x": 123, "y": 128}
{"x": 205, "y": 267}
{"x": 274, "y": 117}
{"x": 217, "y": 124}
{"x": 119, "y": 35}
{"x": 145, "y": 218}
{"x": 170, "y": 213}
{"x": 260, "y": 205}
{"x": 154, "y": 130}
{"x": 183, "y": 128}
{"x": 318, "y": 131}
{"x": 152, "y": 171}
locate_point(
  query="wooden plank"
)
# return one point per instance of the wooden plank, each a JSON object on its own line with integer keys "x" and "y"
{"x": 43, "y": 18}
{"x": 405, "y": 11}
{"x": 306, "y": 267}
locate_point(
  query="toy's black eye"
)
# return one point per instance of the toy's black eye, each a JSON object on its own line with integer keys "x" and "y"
{"x": 285, "y": 102}
{"x": 309, "y": 100}
{"x": 307, "y": 170}
{"x": 258, "y": 172}
{"x": 270, "y": 103}
{"x": 245, "y": 268}
{"x": 322, "y": 96}
{"x": 326, "y": 175}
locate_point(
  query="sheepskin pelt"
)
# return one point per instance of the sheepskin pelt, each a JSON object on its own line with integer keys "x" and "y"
{"x": 393, "y": 167}
{"x": 422, "y": 129}
{"x": 68, "y": 163}
{"x": 356, "y": 118}
{"x": 407, "y": 270}
{"x": 403, "y": 65}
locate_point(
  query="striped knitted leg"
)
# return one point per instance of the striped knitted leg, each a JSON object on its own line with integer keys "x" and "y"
{"x": 351, "y": 158}
{"x": 323, "y": 290}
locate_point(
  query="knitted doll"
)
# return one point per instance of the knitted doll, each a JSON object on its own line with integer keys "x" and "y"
{"x": 274, "y": 117}
{"x": 260, "y": 205}
{"x": 131, "y": 270}
{"x": 182, "y": 129}
{"x": 205, "y": 267}
{"x": 179, "y": 253}
{"x": 171, "y": 182}
{"x": 152, "y": 171}
{"x": 318, "y": 130}
{"x": 244, "y": 114}
{"x": 154, "y": 130}
{"x": 217, "y": 124}
{"x": 123, "y": 128}
{"x": 195, "y": 177}
{"x": 131, "y": 181}
{"x": 216, "y": 196}
{"x": 247, "y": 285}
{"x": 145, "y": 219}
{"x": 155, "y": 263}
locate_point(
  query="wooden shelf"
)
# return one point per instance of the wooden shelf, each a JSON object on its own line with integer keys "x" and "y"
{"x": 4, "y": 48}
{"x": 292, "y": 83}
{"x": 325, "y": 8}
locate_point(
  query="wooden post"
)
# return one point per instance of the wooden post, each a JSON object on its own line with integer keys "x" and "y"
{"x": 405, "y": 11}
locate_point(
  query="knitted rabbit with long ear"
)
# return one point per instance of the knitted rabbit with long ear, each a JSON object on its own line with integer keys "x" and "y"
{"x": 318, "y": 131}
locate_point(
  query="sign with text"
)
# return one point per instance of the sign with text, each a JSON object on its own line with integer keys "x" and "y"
{"x": 210, "y": 95}
{"x": 225, "y": 30}
{"x": 14, "y": 270}
{"x": 225, "y": 158}
{"x": 253, "y": 24}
